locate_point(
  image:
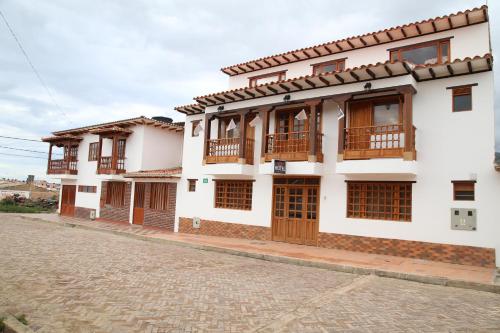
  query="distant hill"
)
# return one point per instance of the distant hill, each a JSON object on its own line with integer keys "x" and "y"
{"x": 25, "y": 187}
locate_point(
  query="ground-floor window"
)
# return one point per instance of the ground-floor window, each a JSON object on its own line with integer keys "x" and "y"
{"x": 115, "y": 194}
{"x": 379, "y": 200}
{"x": 87, "y": 189}
{"x": 159, "y": 196}
{"x": 233, "y": 194}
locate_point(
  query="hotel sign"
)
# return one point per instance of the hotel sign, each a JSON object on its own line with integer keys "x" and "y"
{"x": 279, "y": 167}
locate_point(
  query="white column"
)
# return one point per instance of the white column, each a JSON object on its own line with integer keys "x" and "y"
{"x": 132, "y": 193}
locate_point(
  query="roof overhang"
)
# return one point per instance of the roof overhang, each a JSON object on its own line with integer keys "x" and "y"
{"x": 111, "y": 130}
{"x": 355, "y": 75}
{"x": 160, "y": 173}
{"x": 190, "y": 109}
{"x": 416, "y": 29}
{"x": 61, "y": 138}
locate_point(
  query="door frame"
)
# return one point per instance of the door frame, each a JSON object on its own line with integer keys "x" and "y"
{"x": 306, "y": 187}
{"x": 64, "y": 212}
{"x": 134, "y": 208}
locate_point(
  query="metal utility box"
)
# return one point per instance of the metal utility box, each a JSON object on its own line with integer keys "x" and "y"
{"x": 196, "y": 222}
{"x": 463, "y": 219}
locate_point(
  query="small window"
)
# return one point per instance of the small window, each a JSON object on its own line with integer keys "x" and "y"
{"x": 194, "y": 124}
{"x": 87, "y": 189}
{"x": 329, "y": 66}
{"x": 159, "y": 196}
{"x": 192, "y": 185}
{"x": 463, "y": 190}
{"x": 434, "y": 52}
{"x": 233, "y": 194}
{"x": 115, "y": 194}
{"x": 93, "y": 151}
{"x": 225, "y": 132}
{"x": 462, "y": 99}
{"x": 267, "y": 78}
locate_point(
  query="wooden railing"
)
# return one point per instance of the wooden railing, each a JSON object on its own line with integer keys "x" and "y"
{"x": 376, "y": 141}
{"x": 106, "y": 165}
{"x": 62, "y": 166}
{"x": 293, "y": 146}
{"x": 228, "y": 150}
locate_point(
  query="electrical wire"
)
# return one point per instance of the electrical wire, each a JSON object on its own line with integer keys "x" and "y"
{"x": 7, "y": 154}
{"x": 16, "y": 138}
{"x": 28, "y": 150}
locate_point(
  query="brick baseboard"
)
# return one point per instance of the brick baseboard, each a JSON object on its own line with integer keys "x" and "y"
{"x": 111, "y": 213}
{"x": 455, "y": 254}
{"x": 83, "y": 213}
{"x": 223, "y": 229}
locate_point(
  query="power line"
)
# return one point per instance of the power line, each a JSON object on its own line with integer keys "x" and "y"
{"x": 24, "y": 139}
{"x": 7, "y": 154}
{"x": 28, "y": 150}
{"x": 33, "y": 66}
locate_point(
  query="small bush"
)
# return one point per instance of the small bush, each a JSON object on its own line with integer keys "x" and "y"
{"x": 2, "y": 324}
{"x": 22, "y": 319}
{"x": 8, "y": 201}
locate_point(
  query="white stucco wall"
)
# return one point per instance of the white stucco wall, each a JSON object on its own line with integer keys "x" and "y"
{"x": 161, "y": 148}
{"x": 460, "y": 46}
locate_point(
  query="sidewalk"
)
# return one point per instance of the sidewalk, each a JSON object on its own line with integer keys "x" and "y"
{"x": 340, "y": 260}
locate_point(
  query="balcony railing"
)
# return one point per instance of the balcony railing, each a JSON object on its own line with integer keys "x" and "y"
{"x": 227, "y": 150}
{"x": 62, "y": 167}
{"x": 292, "y": 146}
{"x": 376, "y": 141}
{"x": 106, "y": 165}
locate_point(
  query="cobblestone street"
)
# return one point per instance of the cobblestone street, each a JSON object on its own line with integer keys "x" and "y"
{"x": 74, "y": 280}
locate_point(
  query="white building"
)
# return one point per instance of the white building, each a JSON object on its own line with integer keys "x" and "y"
{"x": 124, "y": 171}
{"x": 381, "y": 143}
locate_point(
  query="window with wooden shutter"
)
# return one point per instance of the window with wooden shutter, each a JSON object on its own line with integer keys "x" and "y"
{"x": 462, "y": 99}
{"x": 87, "y": 189}
{"x": 463, "y": 190}
{"x": 115, "y": 194}
{"x": 379, "y": 200}
{"x": 192, "y": 185}
{"x": 93, "y": 151}
{"x": 233, "y": 194}
{"x": 329, "y": 66}
{"x": 159, "y": 196}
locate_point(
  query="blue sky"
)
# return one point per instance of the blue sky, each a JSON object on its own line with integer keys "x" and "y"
{"x": 108, "y": 60}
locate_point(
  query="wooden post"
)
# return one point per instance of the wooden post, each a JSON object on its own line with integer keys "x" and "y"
{"x": 206, "y": 136}
{"x": 408, "y": 154}
{"x": 50, "y": 157}
{"x": 341, "y": 100}
{"x": 99, "y": 154}
{"x": 264, "y": 115}
{"x": 313, "y": 129}
{"x": 243, "y": 137}
{"x": 67, "y": 156}
{"x": 114, "y": 154}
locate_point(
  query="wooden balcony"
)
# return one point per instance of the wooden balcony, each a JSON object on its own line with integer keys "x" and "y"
{"x": 111, "y": 166}
{"x": 228, "y": 150}
{"x": 383, "y": 141}
{"x": 56, "y": 167}
{"x": 292, "y": 146}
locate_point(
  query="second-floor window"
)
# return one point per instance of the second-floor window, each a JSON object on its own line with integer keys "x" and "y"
{"x": 435, "y": 52}
{"x": 93, "y": 151}
{"x": 329, "y": 66}
{"x": 225, "y": 128}
{"x": 462, "y": 99}
{"x": 267, "y": 78}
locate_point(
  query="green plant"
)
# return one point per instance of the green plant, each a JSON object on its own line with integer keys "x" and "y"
{"x": 22, "y": 319}
{"x": 2, "y": 324}
{"x": 8, "y": 201}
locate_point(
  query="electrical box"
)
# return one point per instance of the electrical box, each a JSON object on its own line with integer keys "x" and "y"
{"x": 196, "y": 222}
{"x": 463, "y": 219}
{"x": 92, "y": 215}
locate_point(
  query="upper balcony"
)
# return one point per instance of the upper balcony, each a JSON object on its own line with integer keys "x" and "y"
{"x": 68, "y": 164}
{"x": 111, "y": 154}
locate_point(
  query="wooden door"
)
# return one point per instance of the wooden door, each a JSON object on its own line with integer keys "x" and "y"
{"x": 360, "y": 120}
{"x": 138, "y": 214}
{"x": 68, "y": 200}
{"x": 295, "y": 213}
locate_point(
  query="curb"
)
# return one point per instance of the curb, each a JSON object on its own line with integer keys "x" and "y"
{"x": 441, "y": 281}
{"x": 12, "y": 325}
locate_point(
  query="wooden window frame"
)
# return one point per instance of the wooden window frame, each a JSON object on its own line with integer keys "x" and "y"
{"x": 223, "y": 134}
{"x": 93, "y": 151}
{"x": 87, "y": 189}
{"x": 438, "y": 43}
{"x": 394, "y": 210}
{"x": 464, "y": 185}
{"x": 252, "y": 81}
{"x": 318, "y": 65}
{"x": 233, "y": 194}
{"x": 194, "y": 123}
{"x": 192, "y": 185}
{"x": 158, "y": 198}
{"x": 461, "y": 91}
{"x": 115, "y": 194}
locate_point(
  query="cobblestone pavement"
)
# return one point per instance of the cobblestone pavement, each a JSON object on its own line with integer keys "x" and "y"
{"x": 73, "y": 280}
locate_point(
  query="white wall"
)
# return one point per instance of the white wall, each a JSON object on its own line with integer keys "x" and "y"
{"x": 466, "y": 42}
{"x": 87, "y": 174}
{"x": 161, "y": 148}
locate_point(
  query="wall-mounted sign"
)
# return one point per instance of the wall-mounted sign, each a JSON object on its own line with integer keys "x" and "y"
{"x": 279, "y": 167}
{"x": 205, "y": 180}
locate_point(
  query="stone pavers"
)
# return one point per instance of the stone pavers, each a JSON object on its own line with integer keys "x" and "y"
{"x": 74, "y": 280}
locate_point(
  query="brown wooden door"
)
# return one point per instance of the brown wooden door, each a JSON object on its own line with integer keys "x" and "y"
{"x": 68, "y": 200}
{"x": 295, "y": 213}
{"x": 360, "y": 118}
{"x": 138, "y": 215}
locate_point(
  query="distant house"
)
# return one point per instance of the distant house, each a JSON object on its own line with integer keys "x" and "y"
{"x": 28, "y": 191}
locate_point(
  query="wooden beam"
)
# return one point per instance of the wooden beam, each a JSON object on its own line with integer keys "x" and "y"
{"x": 313, "y": 128}
{"x": 231, "y": 98}
{"x": 240, "y": 96}
{"x": 276, "y": 60}
{"x": 488, "y": 63}
{"x": 467, "y": 18}
{"x": 354, "y": 75}
{"x": 350, "y": 44}
{"x": 260, "y": 91}
{"x": 284, "y": 87}
{"x": 408, "y": 121}
{"x": 450, "y": 69}
{"x": 272, "y": 90}
{"x": 267, "y": 62}
{"x": 432, "y": 73}
{"x": 210, "y": 100}
{"x": 389, "y": 35}
{"x": 376, "y": 38}
{"x": 434, "y": 29}
{"x": 306, "y": 54}
{"x": 220, "y": 99}
{"x": 264, "y": 116}
{"x": 295, "y": 56}
{"x": 242, "y": 69}
{"x": 295, "y": 84}
{"x": 403, "y": 32}
{"x": 325, "y": 81}
{"x": 258, "y": 65}
{"x": 286, "y": 58}
{"x": 363, "y": 41}
{"x": 469, "y": 66}
{"x": 249, "y": 66}
{"x": 243, "y": 136}
{"x": 329, "y": 50}
{"x": 418, "y": 29}
{"x": 370, "y": 72}
{"x": 388, "y": 70}
{"x": 339, "y": 47}
{"x": 251, "y": 94}
{"x": 201, "y": 102}
{"x": 450, "y": 23}
{"x": 317, "y": 52}
{"x": 338, "y": 77}
{"x": 310, "y": 83}
{"x": 235, "y": 72}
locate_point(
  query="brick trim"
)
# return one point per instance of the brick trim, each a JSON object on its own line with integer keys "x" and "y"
{"x": 160, "y": 218}
{"x": 83, "y": 213}
{"x": 455, "y": 254}
{"x": 108, "y": 212}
